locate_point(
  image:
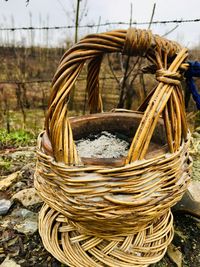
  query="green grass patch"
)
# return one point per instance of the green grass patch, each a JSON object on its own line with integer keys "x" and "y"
{"x": 34, "y": 120}
{"x": 16, "y": 138}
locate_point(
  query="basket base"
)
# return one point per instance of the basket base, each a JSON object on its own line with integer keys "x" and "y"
{"x": 72, "y": 248}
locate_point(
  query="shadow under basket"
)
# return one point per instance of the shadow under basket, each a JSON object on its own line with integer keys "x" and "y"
{"x": 73, "y": 248}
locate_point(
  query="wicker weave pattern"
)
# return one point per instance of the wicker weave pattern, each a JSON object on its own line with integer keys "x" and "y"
{"x": 75, "y": 249}
{"x": 117, "y": 198}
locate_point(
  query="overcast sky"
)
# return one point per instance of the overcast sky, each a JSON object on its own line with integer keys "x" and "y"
{"x": 60, "y": 13}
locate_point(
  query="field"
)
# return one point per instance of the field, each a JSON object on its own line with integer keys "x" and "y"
{"x": 25, "y": 82}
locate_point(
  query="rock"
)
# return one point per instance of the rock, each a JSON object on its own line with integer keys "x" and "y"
{"x": 28, "y": 226}
{"x": 194, "y": 190}
{"x": 23, "y": 155}
{"x": 6, "y": 182}
{"x": 187, "y": 205}
{"x": 5, "y": 205}
{"x": 26, "y": 221}
{"x": 175, "y": 255}
{"x": 9, "y": 263}
{"x": 27, "y": 197}
{"x": 190, "y": 202}
{"x": 21, "y": 220}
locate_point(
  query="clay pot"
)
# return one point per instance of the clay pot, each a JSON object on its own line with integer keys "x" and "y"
{"x": 124, "y": 124}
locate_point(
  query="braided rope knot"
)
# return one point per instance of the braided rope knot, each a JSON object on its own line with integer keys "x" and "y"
{"x": 137, "y": 42}
{"x": 168, "y": 77}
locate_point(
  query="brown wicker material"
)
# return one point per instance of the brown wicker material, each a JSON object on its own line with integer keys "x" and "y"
{"x": 74, "y": 248}
{"x": 117, "y": 200}
{"x": 122, "y": 199}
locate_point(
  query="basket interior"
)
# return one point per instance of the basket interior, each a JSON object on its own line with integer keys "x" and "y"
{"x": 124, "y": 124}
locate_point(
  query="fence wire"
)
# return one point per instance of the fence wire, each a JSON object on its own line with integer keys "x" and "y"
{"x": 31, "y": 28}
{"x": 177, "y": 21}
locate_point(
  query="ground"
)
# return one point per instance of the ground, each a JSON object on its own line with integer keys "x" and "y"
{"x": 19, "y": 238}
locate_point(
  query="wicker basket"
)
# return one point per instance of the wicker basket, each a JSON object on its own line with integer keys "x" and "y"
{"x": 75, "y": 249}
{"x": 123, "y": 198}
{"x": 142, "y": 188}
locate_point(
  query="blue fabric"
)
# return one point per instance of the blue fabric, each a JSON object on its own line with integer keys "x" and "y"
{"x": 193, "y": 71}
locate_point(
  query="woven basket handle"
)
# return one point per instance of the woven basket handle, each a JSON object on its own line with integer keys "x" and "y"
{"x": 166, "y": 99}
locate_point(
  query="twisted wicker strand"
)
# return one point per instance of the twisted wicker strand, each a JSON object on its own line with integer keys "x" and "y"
{"x": 94, "y": 98}
{"x": 155, "y": 107}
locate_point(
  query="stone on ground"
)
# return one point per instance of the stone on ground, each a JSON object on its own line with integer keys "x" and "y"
{"x": 194, "y": 190}
{"x": 5, "y": 205}
{"x": 27, "y": 197}
{"x": 9, "y": 263}
{"x": 22, "y": 220}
